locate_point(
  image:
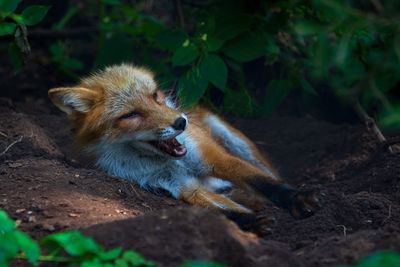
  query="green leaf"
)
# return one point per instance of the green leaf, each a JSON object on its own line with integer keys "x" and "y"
{"x": 8, "y": 248}
{"x": 305, "y": 27}
{"x": 7, "y": 28}
{"x": 121, "y": 263}
{"x": 28, "y": 246}
{"x": 34, "y": 14}
{"x": 73, "y": 242}
{"x": 110, "y": 255}
{"x": 214, "y": 69}
{"x": 7, "y": 7}
{"x": 213, "y": 43}
{"x": 135, "y": 259}
{"x": 191, "y": 87}
{"x": 276, "y": 92}
{"x": 343, "y": 49}
{"x": 381, "y": 259}
{"x": 92, "y": 263}
{"x": 185, "y": 55}
{"x": 247, "y": 47}
{"x": 6, "y": 224}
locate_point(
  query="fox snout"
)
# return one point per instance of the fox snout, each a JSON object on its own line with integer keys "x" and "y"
{"x": 174, "y": 129}
{"x": 180, "y": 123}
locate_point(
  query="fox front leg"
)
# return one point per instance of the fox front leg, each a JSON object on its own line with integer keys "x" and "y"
{"x": 195, "y": 194}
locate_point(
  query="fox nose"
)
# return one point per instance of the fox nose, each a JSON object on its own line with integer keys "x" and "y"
{"x": 180, "y": 124}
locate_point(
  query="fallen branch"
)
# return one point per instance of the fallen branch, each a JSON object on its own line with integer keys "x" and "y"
{"x": 371, "y": 125}
{"x": 10, "y": 145}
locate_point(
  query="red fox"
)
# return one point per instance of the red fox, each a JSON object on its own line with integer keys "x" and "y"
{"x": 137, "y": 132}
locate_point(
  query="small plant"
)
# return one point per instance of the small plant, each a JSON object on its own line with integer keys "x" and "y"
{"x": 71, "y": 248}
{"x": 15, "y": 24}
{"x": 380, "y": 259}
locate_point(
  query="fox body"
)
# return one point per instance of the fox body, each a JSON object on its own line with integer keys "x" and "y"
{"x": 138, "y": 133}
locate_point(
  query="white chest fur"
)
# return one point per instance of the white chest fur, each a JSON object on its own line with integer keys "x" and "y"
{"x": 152, "y": 171}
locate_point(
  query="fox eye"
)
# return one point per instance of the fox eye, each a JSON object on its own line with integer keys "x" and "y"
{"x": 130, "y": 115}
{"x": 155, "y": 95}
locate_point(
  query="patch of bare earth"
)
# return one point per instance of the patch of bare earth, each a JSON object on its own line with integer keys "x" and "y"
{"x": 46, "y": 186}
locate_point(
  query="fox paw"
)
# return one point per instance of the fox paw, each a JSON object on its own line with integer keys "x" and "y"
{"x": 304, "y": 203}
{"x": 250, "y": 221}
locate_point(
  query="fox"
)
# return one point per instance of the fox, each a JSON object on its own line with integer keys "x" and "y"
{"x": 136, "y": 131}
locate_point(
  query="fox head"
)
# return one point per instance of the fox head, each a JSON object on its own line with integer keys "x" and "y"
{"x": 123, "y": 105}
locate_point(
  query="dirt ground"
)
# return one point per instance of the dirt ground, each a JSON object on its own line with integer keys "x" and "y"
{"x": 46, "y": 187}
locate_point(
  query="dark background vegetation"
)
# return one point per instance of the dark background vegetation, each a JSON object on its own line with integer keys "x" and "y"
{"x": 247, "y": 58}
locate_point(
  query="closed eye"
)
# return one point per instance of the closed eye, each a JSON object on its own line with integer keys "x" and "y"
{"x": 130, "y": 115}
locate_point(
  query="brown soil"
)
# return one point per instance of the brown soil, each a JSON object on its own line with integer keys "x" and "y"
{"x": 46, "y": 188}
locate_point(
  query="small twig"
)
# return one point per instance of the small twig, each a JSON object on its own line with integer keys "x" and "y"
{"x": 344, "y": 229}
{"x": 138, "y": 196}
{"x": 371, "y": 124}
{"x": 179, "y": 10}
{"x": 392, "y": 141}
{"x": 389, "y": 215}
{"x": 3, "y": 134}
{"x": 10, "y": 145}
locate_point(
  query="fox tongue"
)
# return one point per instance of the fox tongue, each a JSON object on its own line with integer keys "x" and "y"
{"x": 172, "y": 147}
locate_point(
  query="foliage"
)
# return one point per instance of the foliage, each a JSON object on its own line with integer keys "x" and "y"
{"x": 15, "y": 24}
{"x": 67, "y": 247}
{"x": 252, "y": 54}
{"x": 348, "y": 48}
{"x": 70, "y": 248}
{"x": 380, "y": 259}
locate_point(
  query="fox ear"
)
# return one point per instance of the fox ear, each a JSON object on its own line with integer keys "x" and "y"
{"x": 73, "y": 99}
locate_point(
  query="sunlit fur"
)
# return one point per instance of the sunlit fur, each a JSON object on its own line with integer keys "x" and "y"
{"x": 99, "y": 108}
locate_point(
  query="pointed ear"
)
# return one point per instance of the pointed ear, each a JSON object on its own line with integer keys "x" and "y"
{"x": 73, "y": 99}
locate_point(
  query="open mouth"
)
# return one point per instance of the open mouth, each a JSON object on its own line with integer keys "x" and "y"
{"x": 170, "y": 146}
